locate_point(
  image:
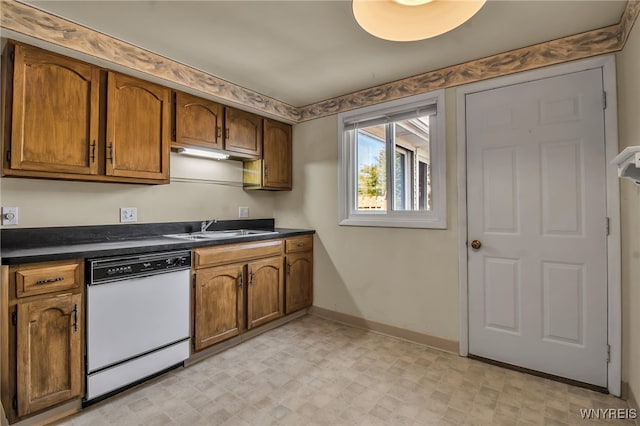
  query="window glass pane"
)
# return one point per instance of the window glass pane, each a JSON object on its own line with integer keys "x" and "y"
{"x": 392, "y": 164}
{"x": 372, "y": 169}
{"x": 412, "y": 186}
{"x": 402, "y": 186}
{"x": 424, "y": 184}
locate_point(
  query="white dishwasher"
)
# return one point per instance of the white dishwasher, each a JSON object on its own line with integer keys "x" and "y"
{"x": 138, "y": 315}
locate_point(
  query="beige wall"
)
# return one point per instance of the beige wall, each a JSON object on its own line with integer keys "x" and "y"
{"x": 63, "y": 203}
{"x": 404, "y": 277}
{"x": 628, "y": 66}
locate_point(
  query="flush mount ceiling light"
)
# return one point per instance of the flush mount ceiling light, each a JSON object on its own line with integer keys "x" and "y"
{"x": 411, "y": 20}
{"x": 203, "y": 153}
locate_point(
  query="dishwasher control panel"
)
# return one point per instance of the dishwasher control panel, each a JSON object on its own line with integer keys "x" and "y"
{"x": 119, "y": 268}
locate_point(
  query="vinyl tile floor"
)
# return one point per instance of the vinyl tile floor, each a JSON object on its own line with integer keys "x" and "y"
{"x": 312, "y": 371}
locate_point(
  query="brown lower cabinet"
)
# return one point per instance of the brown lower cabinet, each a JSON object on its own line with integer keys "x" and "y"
{"x": 238, "y": 287}
{"x": 42, "y": 336}
{"x": 299, "y": 276}
{"x": 219, "y": 304}
{"x": 265, "y": 296}
{"x": 49, "y": 352}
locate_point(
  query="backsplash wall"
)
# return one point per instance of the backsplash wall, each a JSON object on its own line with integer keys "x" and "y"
{"x": 200, "y": 189}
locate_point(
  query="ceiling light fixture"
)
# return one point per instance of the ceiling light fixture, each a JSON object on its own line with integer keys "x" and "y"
{"x": 411, "y": 20}
{"x": 192, "y": 152}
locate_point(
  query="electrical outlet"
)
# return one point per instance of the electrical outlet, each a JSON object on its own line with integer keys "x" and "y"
{"x": 243, "y": 211}
{"x": 128, "y": 214}
{"x": 9, "y": 215}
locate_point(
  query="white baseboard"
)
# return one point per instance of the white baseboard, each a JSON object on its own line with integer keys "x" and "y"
{"x": 389, "y": 330}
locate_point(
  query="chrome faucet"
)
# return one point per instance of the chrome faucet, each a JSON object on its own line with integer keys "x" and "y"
{"x": 205, "y": 224}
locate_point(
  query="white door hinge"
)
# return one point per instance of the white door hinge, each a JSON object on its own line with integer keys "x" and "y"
{"x": 608, "y": 226}
{"x": 608, "y": 353}
{"x": 604, "y": 100}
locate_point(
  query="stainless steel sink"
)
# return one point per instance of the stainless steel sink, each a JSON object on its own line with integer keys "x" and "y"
{"x": 216, "y": 235}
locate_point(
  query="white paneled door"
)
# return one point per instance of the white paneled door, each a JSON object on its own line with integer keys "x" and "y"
{"x": 536, "y": 199}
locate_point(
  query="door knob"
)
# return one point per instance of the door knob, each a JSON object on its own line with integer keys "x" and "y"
{"x": 476, "y": 244}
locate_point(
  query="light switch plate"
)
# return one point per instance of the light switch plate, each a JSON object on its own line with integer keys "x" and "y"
{"x": 128, "y": 214}
{"x": 243, "y": 211}
{"x": 9, "y": 215}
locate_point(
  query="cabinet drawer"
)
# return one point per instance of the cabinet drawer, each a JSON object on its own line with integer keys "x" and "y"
{"x": 236, "y": 253}
{"x": 299, "y": 244}
{"x": 47, "y": 278}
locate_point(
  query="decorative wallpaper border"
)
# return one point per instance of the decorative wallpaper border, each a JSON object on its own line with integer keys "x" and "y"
{"x": 33, "y": 22}
{"x": 629, "y": 16}
{"x": 570, "y": 48}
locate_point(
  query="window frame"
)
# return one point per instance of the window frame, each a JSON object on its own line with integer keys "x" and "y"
{"x": 436, "y": 218}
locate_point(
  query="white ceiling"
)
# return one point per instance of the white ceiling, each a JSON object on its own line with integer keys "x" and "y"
{"x": 301, "y": 52}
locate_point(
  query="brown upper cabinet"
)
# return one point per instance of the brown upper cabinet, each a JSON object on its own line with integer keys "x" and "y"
{"x": 198, "y": 122}
{"x": 273, "y": 170}
{"x": 138, "y": 121}
{"x": 55, "y": 112}
{"x": 264, "y": 145}
{"x": 66, "y": 119}
{"x": 243, "y": 132}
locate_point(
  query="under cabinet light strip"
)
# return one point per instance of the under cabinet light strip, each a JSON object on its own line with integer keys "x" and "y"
{"x": 203, "y": 154}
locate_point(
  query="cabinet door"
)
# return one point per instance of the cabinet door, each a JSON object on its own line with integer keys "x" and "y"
{"x": 299, "y": 281}
{"x": 138, "y": 123}
{"x": 55, "y": 113}
{"x": 265, "y": 292}
{"x": 198, "y": 122}
{"x": 276, "y": 155}
{"x": 219, "y": 304}
{"x": 49, "y": 352}
{"x": 243, "y": 132}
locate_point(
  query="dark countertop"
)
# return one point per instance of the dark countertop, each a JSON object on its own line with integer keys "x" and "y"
{"x": 112, "y": 240}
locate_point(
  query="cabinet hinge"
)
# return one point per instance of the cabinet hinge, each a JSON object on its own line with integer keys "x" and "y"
{"x": 608, "y": 226}
{"x": 9, "y": 156}
{"x": 604, "y": 100}
{"x": 173, "y": 133}
{"x": 12, "y": 56}
{"x": 14, "y": 318}
{"x": 608, "y": 353}
{"x": 14, "y": 402}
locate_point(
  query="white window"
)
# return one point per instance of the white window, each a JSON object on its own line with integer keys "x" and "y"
{"x": 392, "y": 164}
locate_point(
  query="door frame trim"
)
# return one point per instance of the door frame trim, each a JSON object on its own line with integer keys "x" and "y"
{"x": 614, "y": 286}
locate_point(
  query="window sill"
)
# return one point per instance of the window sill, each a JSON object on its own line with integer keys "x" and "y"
{"x": 377, "y": 221}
